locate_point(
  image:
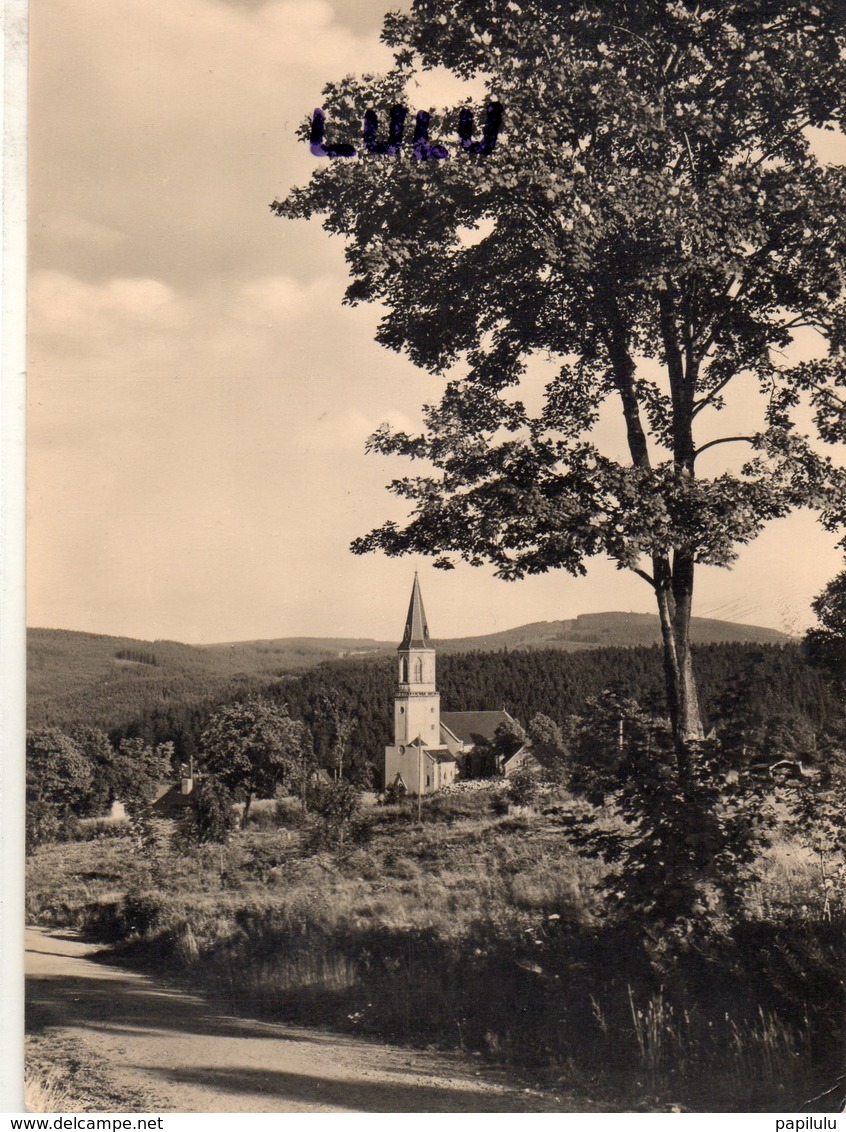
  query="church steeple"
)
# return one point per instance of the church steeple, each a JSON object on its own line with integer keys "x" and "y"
{"x": 417, "y": 707}
{"x": 418, "y": 757}
{"x": 416, "y": 635}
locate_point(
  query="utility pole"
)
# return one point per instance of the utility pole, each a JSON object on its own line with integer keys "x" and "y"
{"x": 419, "y": 784}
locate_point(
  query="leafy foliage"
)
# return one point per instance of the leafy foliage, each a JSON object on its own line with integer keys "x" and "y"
{"x": 95, "y": 747}
{"x": 334, "y": 807}
{"x": 137, "y": 770}
{"x": 153, "y": 838}
{"x": 58, "y": 781}
{"x": 818, "y": 820}
{"x": 252, "y": 747}
{"x": 775, "y": 680}
{"x": 602, "y": 732}
{"x": 550, "y": 747}
{"x": 490, "y": 755}
{"x": 210, "y": 818}
{"x": 826, "y": 645}
{"x": 657, "y": 226}
{"x": 761, "y": 698}
{"x": 523, "y": 787}
{"x": 57, "y": 772}
{"x": 683, "y": 858}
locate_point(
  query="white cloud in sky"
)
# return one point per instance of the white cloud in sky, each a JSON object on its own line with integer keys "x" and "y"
{"x": 173, "y": 125}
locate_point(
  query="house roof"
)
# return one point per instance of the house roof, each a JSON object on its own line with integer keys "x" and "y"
{"x": 171, "y": 801}
{"x": 522, "y": 753}
{"x": 416, "y": 634}
{"x": 471, "y": 726}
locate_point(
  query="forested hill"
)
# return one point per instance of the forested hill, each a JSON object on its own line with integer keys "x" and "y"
{"x": 108, "y": 681}
{"x": 610, "y": 630}
{"x": 770, "y": 684}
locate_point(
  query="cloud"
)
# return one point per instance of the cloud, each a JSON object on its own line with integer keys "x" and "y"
{"x": 171, "y": 127}
{"x": 183, "y": 440}
{"x": 77, "y": 232}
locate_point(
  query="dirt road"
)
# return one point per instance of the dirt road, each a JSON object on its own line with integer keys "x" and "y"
{"x": 129, "y": 1043}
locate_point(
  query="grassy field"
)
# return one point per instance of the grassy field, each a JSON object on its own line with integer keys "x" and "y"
{"x": 483, "y": 930}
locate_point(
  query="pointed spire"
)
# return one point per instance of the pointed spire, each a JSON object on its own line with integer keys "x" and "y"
{"x": 416, "y": 635}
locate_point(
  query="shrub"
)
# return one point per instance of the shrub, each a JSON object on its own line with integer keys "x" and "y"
{"x": 395, "y": 794}
{"x": 263, "y": 858}
{"x": 335, "y": 807}
{"x": 47, "y": 822}
{"x": 523, "y": 787}
{"x": 58, "y": 780}
{"x": 210, "y": 818}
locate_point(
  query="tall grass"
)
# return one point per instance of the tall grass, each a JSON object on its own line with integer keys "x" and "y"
{"x": 45, "y": 1091}
{"x": 757, "y": 1062}
{"x": 487, "y": 933}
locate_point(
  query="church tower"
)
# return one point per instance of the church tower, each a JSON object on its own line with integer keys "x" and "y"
{"x": 419, "y": 760}
{"x": 417, "y": 705}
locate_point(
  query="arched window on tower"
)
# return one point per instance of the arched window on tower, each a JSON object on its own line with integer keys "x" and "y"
{"x": 404, "y": 670}
{"x": 418, "y": 670}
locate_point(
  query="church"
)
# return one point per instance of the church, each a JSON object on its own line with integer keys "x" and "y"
{"x": 432, "y": 750}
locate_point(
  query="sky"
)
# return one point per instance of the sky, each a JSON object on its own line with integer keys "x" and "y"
{"x": 199, "y": 400}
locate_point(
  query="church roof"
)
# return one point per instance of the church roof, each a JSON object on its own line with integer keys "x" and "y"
{"x": 471, "y": 726}
{"x": 436, "y": 754}
{"x": 416, "y": 635}
{"x": 440, "y": 755}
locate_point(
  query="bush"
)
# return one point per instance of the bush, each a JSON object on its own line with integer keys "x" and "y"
{"x": 335, "y": 807}
{"x": 523, "y": 787}
{"x": 210, "y": 818}
{"x": 263, "y": 859}
{"x": 46, "y": 822}
{"x": 395, "y": 794}
{"x": 95, "y": 829}
{"x": 683, "y": 854}
{"x": 288, "y": 813}
{"x": 58, "y": 780}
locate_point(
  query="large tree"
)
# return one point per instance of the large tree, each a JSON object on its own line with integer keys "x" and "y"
{"x": 653, "y": 222}
{"x": 826, "y": 644}
{"x": 58, "y": 782}
{"x": 252, "y": 747}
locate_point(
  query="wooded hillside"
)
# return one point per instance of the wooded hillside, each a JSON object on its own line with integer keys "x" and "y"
{"x": 107, "y": 682}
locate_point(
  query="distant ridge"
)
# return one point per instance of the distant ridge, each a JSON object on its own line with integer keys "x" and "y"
{"x": 588, "y": 630}
{"x": 606, "y": 630}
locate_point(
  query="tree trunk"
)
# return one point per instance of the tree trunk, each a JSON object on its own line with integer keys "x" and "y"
{"x": 672, "y": 579}
{"x": 674, "y": 593}
{"x": 246, "y": 812}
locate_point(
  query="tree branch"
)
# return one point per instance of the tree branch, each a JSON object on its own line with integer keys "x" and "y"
{"x": 722, "y": 440}
{"x": 643, "y": 574}
{"x": 709, "y": 397}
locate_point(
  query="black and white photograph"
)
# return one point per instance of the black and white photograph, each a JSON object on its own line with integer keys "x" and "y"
{"x": 436, "y": 557}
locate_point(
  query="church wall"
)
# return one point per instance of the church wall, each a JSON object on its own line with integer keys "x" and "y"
{"x": 413, "y": 767}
